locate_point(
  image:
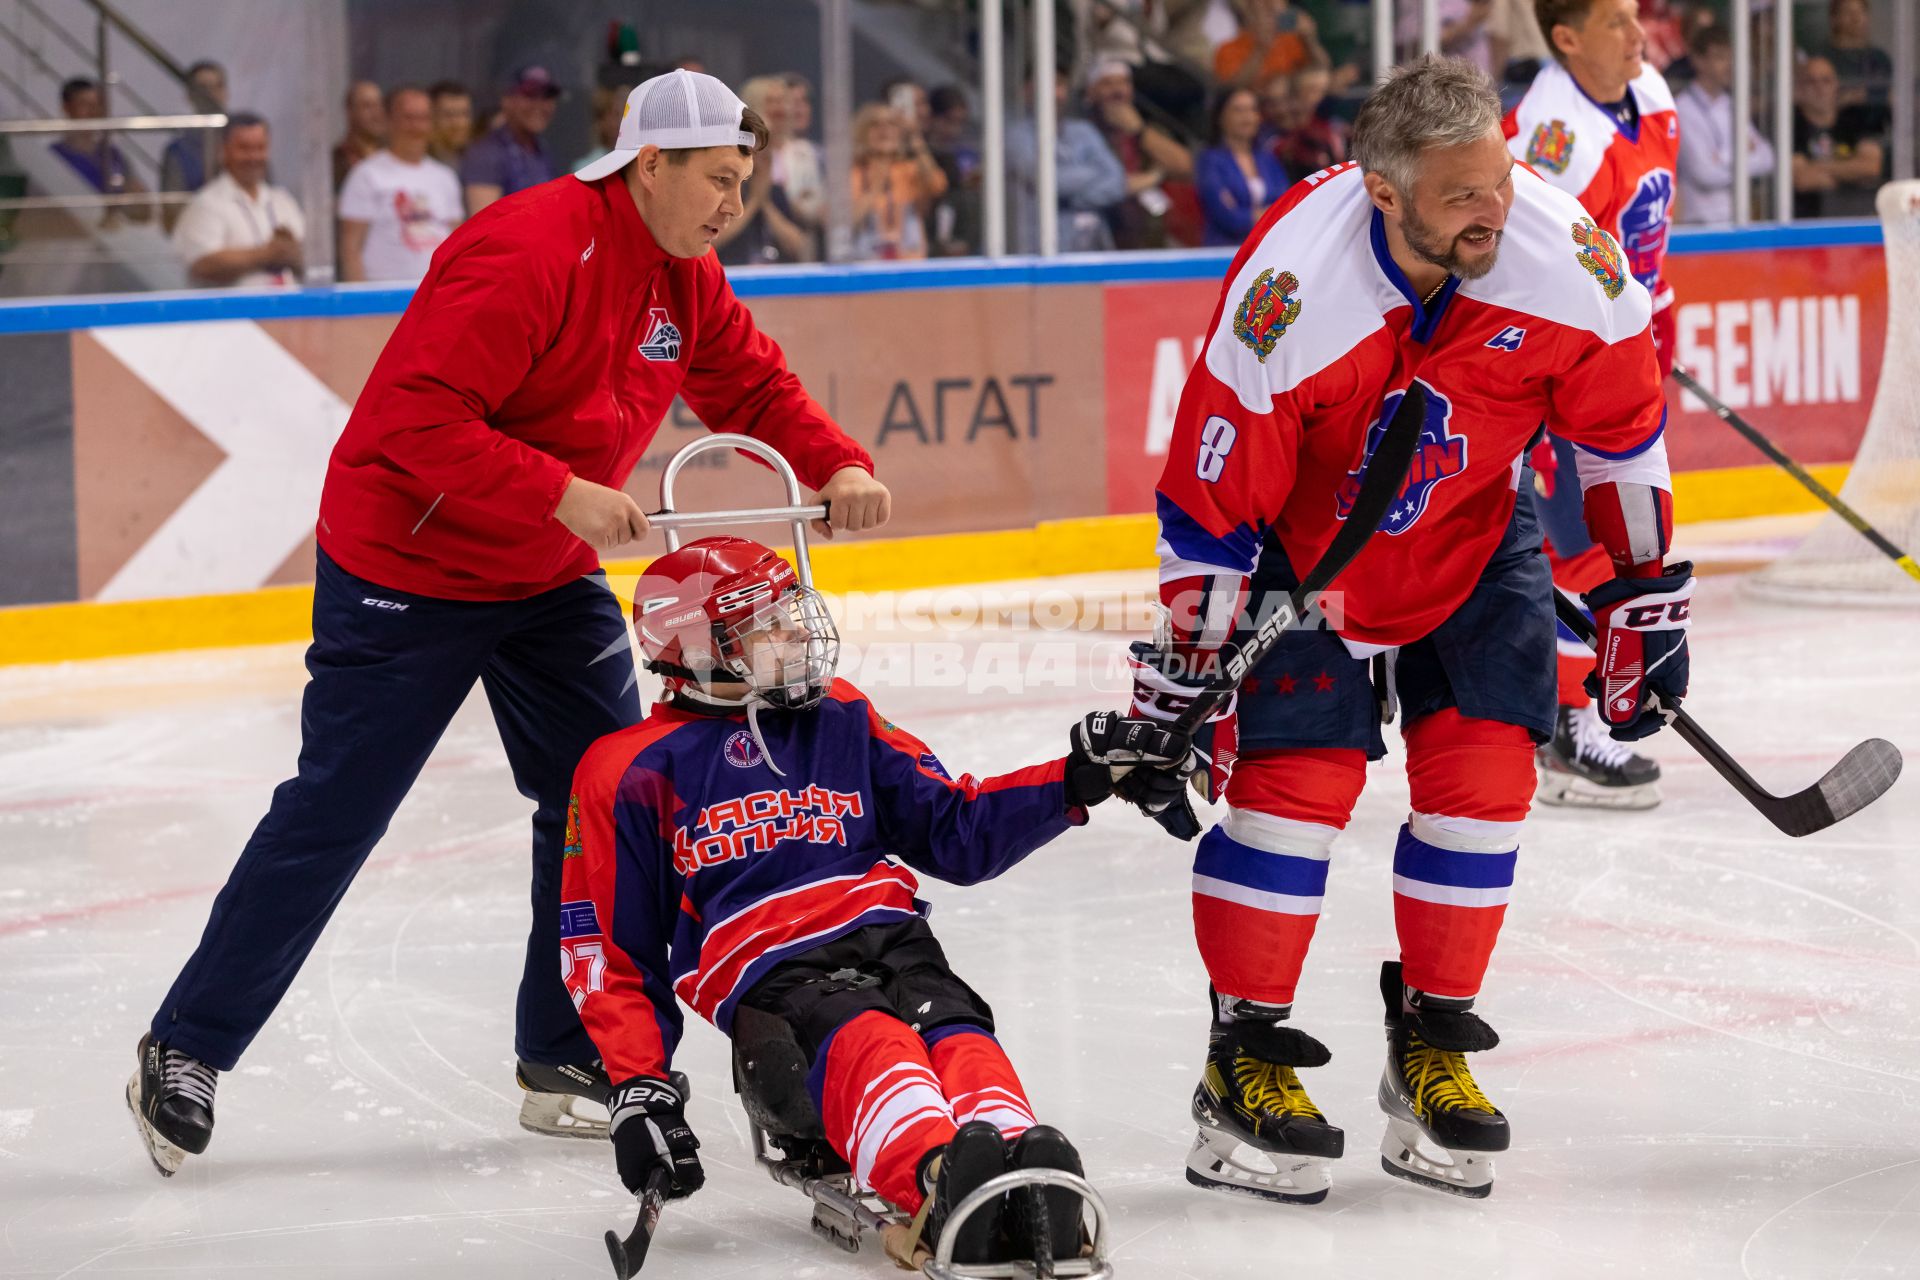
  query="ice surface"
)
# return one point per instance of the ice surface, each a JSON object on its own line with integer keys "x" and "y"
{"x": 1710, "y": 1053}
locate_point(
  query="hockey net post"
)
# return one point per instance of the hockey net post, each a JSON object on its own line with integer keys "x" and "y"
{"x": 1835, "y": 563}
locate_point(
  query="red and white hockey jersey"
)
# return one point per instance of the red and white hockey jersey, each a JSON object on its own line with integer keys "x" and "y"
{"x": 1317, "y": 335}
{"x": 1622, "y": 174}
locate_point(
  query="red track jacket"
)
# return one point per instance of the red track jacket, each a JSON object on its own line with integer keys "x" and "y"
{"x": 548, "y": 340}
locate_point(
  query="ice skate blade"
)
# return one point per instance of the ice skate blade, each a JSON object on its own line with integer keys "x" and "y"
{"x": 1571, "y": 791}
{"x": 562, "y": 1115}
{"x": 166, "y": 1157}
{"x": 1215, "y": 1164}
{"x": 1404, "y": 1153}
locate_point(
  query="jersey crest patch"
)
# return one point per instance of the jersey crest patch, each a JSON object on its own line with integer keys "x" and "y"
{"x": 663, "y": 337}
{"x": 570, "y": 846}
{"x": 741, "y": 751}
{"x": 1266, "y": 311}
{"x": 1551, "y": 147}
{"x": 1439, "y": 455}
{"x": 1600, "y": 255}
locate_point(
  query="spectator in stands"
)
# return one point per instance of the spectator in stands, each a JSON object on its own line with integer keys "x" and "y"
{"x": 1696, "y": 19}
{"x": 240, "y": 229}
{"x": 1314, "y": 138}
{"x": 1515, "y": 47}
{"x": 452, "y": 123}
{"x": 398, "y": 204}
{"x": 184, "y": 164}
{"x": 513, "y": 156}
{"x": 1865, "y": 71}
{"x": 1664, "y": 34}
{"x": 366, "y": 129}
{"x": 1136, "y": 33}
{"x": 1087, "y": 177}
{"x": 1705, "y": 108}
{"x": 765, "y": 232}
{"x": 795, "y": 161}
{"x": 1275, "y": 39}
{"x": 895, "y": 183}
{"x": 92, "y": 155}
{"x": 1237, "y": 180}
{"x": 909, "y": 101}
{"x": 1149, "y": 153}
{"x": 609, "y": 104}
{"x": 1465, "y": 32}
{"x": 955, "y": 226}
{"x": 1837, "y": 156}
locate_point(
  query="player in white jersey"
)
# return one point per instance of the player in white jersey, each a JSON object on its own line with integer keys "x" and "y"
{"x": 1436, "y": 259}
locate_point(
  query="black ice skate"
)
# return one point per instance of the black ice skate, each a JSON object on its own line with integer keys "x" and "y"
{"x": 1583, "y": 767}
{"x": 564, "y": 1101}
{"x": 1440, "y": 1128}
{"x": 1260, "y": 1134}
{"x": 1045, "y": 1221}
{"x": 975, "y": 1155}
{"x": 171, "y": 1096}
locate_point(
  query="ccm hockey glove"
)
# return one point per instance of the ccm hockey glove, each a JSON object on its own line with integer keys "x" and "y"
{"x": 1640, "y": 660}
{"x": 649, "y": 1130}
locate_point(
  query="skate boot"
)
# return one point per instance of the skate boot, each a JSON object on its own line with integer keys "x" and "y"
{"x": 1045, "y": 1222}
{"x": 1440, "y": 1128}
{"x": 171, "y": 1096}
{"x": 975, "y": 1154}
{"x": 564, "y": 1101}
{"x": 1260, "y": 1134}
{"x": 1583, "y": 767}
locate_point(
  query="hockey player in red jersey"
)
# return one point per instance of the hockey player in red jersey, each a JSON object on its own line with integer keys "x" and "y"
{"x": 1433, "y": 258}
{"x": 748, "y": 845}
{"x": 1600, "y": 124}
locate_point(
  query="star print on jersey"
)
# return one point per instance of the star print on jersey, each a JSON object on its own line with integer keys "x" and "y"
{"x": 1323, "y": 683}
{"x": 1439, "y": 455}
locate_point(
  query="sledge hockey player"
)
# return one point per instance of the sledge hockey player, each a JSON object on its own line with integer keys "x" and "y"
{"x": 1599, "y": 124}
{"x": 744, "y": 846}
{"x": 1434, "y": 257}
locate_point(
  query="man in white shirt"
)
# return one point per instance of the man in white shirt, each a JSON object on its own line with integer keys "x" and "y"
{"x": 1705, "y": 108}
{"x": 240, "y": 229}
{"x": 398, "y": 204}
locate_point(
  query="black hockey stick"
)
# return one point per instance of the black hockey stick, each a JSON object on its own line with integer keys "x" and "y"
{"x": 1862, "y": 776}
{"x": 1380, "y": 484}
{"x": 1798, "y": 472}
{"x": 630, "y": 1255}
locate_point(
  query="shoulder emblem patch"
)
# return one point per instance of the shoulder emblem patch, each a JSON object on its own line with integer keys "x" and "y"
{"x": 1600, "y": 255}
{"x": 1266, "y": 311}
{"x": 570, "y": 846}
{"x": 1551, "y": 147}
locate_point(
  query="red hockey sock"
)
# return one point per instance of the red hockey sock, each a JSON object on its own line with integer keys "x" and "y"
{"x": 978, "y": 1079}
{"x": 881, "y": 1104}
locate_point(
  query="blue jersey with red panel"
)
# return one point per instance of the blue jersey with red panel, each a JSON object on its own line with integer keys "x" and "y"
{"x": 692, "y": 868}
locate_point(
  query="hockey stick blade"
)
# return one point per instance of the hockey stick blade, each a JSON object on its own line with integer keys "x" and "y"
{"x": 1385, "y": 474}
{"x": 1862, "y": 776}
{"x": 629, "y": 1255}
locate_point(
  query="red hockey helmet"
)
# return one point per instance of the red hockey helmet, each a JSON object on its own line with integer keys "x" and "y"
{"x": 728, "y": 608}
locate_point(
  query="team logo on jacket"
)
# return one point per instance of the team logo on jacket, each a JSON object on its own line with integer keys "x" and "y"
{"x": 1600, "y": 255}
{"x": 1438, "y": 456}
{"x": 1643, "y": 226}
{"x": 1551, "y": 147}
{"x": 1266, "y": 311}
{"x": 663, "y": 337}
{"x": 760, "y": 821}
{"x": 741, "y": 751}
{"x": 570, "y": 846}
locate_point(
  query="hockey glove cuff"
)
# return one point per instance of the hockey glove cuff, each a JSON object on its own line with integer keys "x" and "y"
{"x": 1108, "y": 747}
{"x": 1165, "y": 683}
{"x": 650, "y": 1131}
{"x": 1640, "y": 661}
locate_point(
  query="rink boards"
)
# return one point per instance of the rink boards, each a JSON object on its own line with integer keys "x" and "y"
{"x": 167, "y": 447}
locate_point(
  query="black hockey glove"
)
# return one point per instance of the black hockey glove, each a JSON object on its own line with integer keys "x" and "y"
{"x": 1109, "y": 748}
{"x": 650, "y": 1132}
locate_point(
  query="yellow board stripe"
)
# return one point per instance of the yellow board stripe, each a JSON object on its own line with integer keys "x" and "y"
{"x": 63, "y": 632}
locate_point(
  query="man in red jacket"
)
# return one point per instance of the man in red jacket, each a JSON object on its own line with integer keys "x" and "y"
{"x": 464, "y": 507}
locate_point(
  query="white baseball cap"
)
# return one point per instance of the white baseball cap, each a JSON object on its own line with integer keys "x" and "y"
{"x": 681, "y": 109}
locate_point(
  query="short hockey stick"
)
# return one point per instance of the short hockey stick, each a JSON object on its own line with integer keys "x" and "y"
{"x": 1380, "y": 485}
{"x": 1862, "y": 776}
{"x": 630, "y": 1255}
{"x": 1798, "y": 472}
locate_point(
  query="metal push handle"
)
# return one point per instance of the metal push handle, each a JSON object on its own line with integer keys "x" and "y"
{"x": 794, "y": 514}
{"x": 942, "y": 1266}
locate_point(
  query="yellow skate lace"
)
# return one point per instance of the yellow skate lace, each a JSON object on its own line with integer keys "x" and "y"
{"x": 1268, "y": 1086}
{"x": 1439, "y": 1080}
